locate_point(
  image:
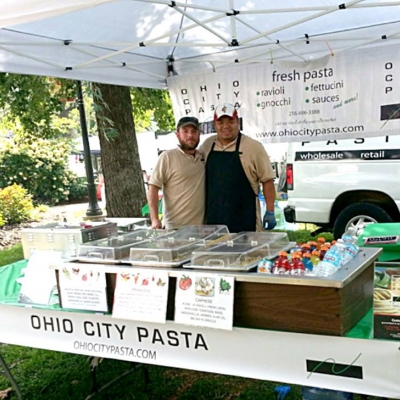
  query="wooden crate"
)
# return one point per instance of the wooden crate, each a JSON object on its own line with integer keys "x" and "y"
{"x": 307, "y": 309}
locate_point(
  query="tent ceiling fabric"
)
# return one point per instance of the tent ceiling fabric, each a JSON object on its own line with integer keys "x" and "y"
{"x": 141, "y": 42}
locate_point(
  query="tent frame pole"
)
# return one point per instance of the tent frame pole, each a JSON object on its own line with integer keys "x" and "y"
{"x": 136, "y": 45}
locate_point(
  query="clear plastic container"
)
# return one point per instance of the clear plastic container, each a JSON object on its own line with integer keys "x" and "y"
{"x": 175, "y": 248}
{"x": 112, "y": 250}
{"x": 241, "y": 252}
{"x": 200, "y": 232}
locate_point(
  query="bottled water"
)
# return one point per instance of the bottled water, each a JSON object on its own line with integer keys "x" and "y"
{"x": 348, "y": 235}
{"x": 350, "y": 250}
{"x": 280, "y": 218}
{"x": 263, "y": 206}
{"x": 311, "y": 393}
{"x": 333, "y": 260}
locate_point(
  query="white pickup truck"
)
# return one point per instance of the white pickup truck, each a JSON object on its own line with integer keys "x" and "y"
{"x": 339, "y": 183}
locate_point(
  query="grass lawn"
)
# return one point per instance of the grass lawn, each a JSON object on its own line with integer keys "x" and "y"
{"x": 11, "y": 255}
{"x": 58, "y": 376}
{"x": 53, "y": 375}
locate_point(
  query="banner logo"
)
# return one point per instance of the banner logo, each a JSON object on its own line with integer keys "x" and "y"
{"x": 330, "y": 367}
{"x": 381, "y": 240}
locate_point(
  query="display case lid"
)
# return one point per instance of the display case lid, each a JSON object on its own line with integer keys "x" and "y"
{"x": 117, "y": 247}
{"x": 175, "y": 248}
{"x": 241, "y": 252}
{"x": 163, "y": 251}
{"x": 199, "y": 232}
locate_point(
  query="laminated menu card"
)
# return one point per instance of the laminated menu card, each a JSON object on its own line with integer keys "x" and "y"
{"x": 83, "y": 287}
{"x": 141, "y": 294}
{"x": 387, "y": 302}
{"x": 204, "y": 300}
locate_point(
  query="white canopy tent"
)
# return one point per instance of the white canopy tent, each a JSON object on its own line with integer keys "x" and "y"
{"x": 142, "y": 42}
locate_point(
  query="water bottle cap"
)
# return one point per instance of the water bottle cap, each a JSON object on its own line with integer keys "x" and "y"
{"x": 282, "y": 254}
{"x": 306, "y": 255}
{"x": 315, "y": 253}
{"x": 321, "y": 240}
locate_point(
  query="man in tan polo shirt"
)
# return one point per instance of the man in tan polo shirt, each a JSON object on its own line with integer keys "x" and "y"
{"x": 235, "y": 166}
{"x": 180, "y": 173}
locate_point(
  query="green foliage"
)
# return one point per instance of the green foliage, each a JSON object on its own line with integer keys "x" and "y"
{"x": 2, "y": 222}
{"x": 40, "y": 166}
{"x": 303, "y": 236}
{"x": 32, "y": 102}
{"x": 106, "y": 125}
{"x": 152, "y": 105}
{"x": 78, "y": 189}
{"x": 15, "y": 204}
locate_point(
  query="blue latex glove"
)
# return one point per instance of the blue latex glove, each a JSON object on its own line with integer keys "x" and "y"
{"x": 282, "y": 391}
{"x": 269, "y": 218}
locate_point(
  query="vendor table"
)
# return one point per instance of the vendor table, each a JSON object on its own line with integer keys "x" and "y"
{"x": 352, "y": 363}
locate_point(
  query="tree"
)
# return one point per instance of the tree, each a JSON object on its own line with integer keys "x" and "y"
{"x": 152, "y": 105}
{"x": 33, "y": 103}
{"x": 123, "y": 178}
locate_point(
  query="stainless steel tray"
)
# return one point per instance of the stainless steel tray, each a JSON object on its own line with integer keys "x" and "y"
{"x": 156, "y": 263}
{"x": 245, "y": 268}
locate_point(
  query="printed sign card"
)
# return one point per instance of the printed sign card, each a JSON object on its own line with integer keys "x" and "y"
{"x": 39, "y": 280}
{"x": 83, "y": 288}
{"x": 204, "y": 300}
{"x": 141, "y": 295}
{"x": 387, "y": 303}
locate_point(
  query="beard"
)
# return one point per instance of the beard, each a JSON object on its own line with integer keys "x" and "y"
{"x": 186, "y": 146}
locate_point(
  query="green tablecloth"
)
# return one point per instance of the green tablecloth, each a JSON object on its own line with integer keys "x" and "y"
{"x": 9, "y": 292}
{"x": 10, "y": 288}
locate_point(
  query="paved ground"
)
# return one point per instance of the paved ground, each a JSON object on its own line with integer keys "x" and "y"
{"x": 73, "y": 212}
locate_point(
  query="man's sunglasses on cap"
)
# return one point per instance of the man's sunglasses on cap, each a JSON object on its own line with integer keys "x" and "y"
{"x": 185, "y": 121}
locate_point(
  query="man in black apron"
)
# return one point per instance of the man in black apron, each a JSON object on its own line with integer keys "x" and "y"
{"x": 230, "y": 197}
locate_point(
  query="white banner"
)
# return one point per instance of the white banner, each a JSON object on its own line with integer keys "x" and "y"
{"x": 354, "y": 365}
{"x": 351, "y": 94}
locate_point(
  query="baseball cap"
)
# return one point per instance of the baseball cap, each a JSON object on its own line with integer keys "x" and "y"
{"x": 185, "y": 121}
{"x": 225, "y": 109}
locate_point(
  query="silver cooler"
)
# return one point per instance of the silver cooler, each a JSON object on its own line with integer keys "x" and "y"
{"x": 65, "y": 237}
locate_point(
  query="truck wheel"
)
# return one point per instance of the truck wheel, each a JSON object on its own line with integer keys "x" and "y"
{"x": 359, "y": 215}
